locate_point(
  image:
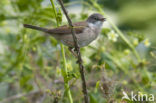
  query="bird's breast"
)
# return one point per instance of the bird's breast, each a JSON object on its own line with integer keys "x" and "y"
{"x": 87, "y": 36}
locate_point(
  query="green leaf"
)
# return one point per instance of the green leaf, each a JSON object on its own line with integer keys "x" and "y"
{"x": 92, "y": 99}
{"x": 24, "y": 83}
{"x": 53, "y": 41}
{"x": 97, "y": 84}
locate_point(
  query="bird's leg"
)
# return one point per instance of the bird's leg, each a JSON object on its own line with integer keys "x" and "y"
{"x": 71, "y": 49}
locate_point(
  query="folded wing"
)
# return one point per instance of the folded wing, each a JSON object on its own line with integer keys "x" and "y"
{"x": 79, "y": 27}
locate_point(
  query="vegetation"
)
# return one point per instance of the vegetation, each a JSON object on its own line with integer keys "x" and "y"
{"x": 35, "y": 68}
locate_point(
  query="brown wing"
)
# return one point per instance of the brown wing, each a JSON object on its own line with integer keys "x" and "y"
{"x": 79, "y": 27}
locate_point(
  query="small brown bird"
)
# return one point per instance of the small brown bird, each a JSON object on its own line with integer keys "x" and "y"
{"x": 86, "y": 31}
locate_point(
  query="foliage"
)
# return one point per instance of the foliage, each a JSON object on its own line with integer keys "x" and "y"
{"x": 31, "y": 61}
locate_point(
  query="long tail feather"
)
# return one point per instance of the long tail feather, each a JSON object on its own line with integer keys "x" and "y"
{"x": 35, "y": 27}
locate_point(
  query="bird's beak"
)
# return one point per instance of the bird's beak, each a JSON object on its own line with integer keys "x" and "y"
{"x": 103, "y": 19}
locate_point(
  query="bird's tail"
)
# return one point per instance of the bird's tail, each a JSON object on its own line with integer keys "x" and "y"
{"x": 36, "y": 28}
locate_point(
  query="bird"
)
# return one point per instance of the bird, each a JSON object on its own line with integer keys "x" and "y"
{"x": 86, "y": 31}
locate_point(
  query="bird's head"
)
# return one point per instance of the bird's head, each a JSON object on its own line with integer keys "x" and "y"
{"x": 96, "y": 19}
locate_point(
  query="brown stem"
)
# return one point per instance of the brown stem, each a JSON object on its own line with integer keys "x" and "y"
{"x": 77, "y": 48}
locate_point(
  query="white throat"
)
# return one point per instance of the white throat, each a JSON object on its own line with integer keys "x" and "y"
{"x": 97, "y": 24}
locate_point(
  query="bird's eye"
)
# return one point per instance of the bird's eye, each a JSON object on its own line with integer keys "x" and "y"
{"x": 96, "y": 19}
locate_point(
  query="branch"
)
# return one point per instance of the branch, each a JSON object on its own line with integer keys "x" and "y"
{"x": 77, "y": 48}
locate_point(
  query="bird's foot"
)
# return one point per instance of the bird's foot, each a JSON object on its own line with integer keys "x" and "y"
{"x": 72, "y": 50}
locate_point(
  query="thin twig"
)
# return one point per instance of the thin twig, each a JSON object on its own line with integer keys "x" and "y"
{"x": 65, "y": 70}
{"x": 18, "y": 96}
{"x": 77, "y": 48}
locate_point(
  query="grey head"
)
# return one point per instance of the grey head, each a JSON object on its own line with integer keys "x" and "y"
{"x": 96, "y": 19}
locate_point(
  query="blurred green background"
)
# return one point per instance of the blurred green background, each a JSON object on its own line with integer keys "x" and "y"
{"x": 30, "y": 62}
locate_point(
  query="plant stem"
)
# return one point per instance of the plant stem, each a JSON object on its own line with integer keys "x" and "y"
{"x": 126, "y": 40}
{"x": 65, "y": 71}
{"x": 66, "y": 85}
{"x": 77, "y": 48}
